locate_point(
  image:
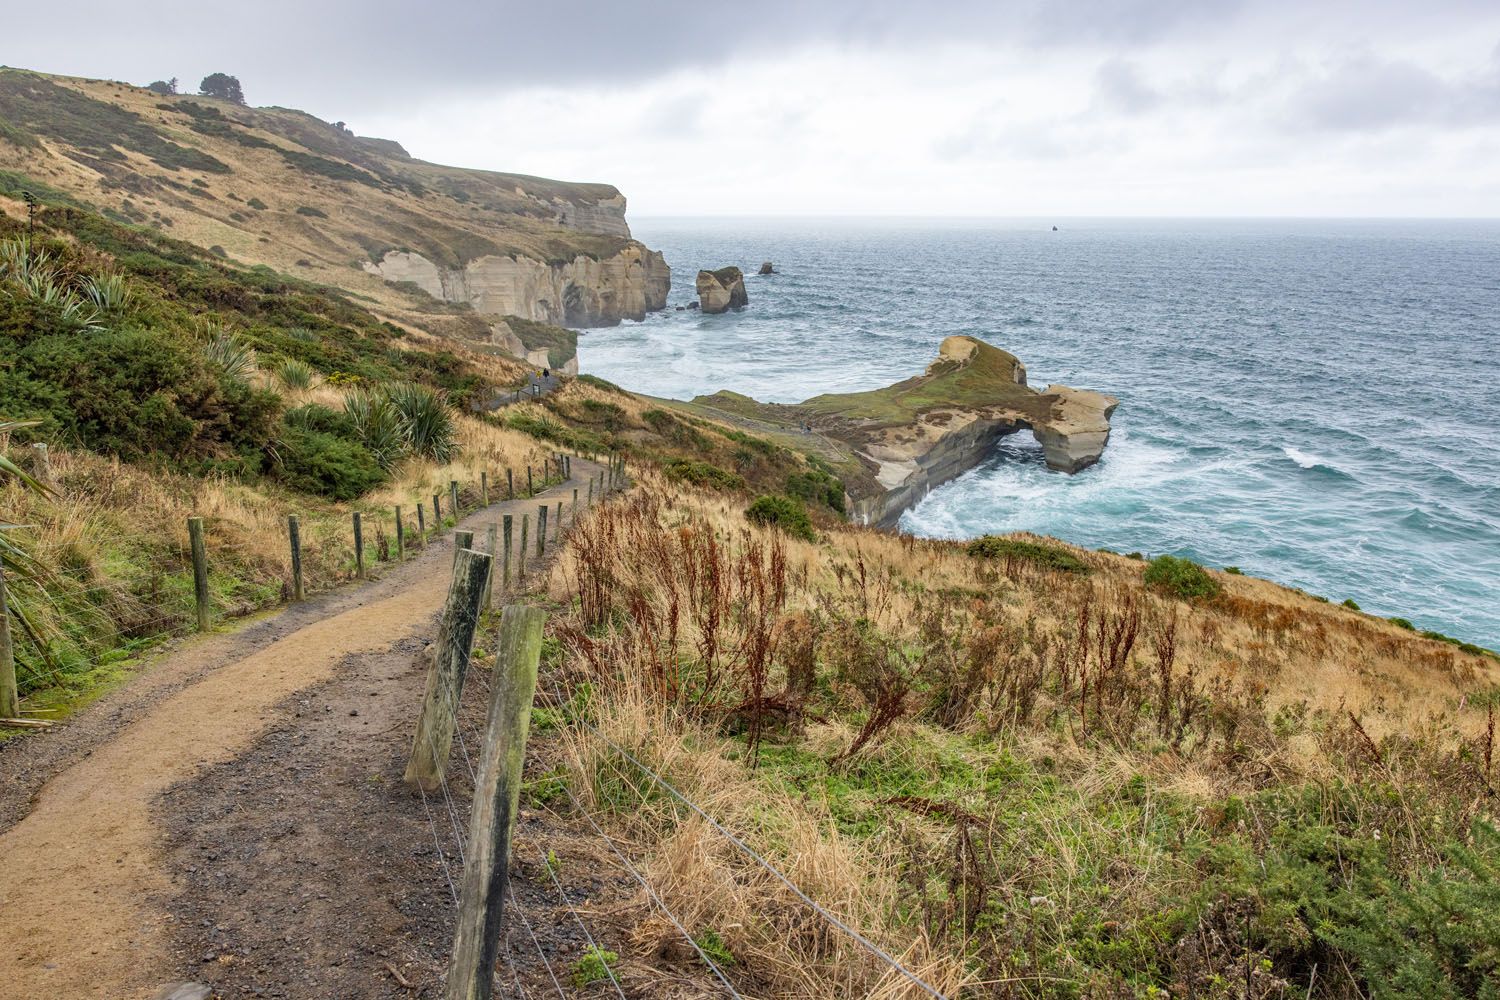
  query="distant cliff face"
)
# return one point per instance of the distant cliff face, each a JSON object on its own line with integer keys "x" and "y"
{"x": 580, "y": 292}
{"x": 281, "y": 188}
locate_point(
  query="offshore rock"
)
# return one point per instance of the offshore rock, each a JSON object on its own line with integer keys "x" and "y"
{"x": 722, "y": 290}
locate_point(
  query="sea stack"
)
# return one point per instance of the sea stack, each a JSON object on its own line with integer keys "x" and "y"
{"x": 722, "y": 290}
{"x": 767, "y": 268}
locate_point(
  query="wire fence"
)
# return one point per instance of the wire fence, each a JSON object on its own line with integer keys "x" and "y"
{"x": 602, "y": 970}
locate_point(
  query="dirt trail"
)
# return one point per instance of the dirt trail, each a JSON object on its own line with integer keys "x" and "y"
{"x": 85, "y": 882}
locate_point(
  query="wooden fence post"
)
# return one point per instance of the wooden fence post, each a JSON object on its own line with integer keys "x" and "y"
{"x": 557, "y": 527}
{"x": 530, "y": 488}
{"x": 573, "y": 510}
{"x": 421, "y": 524}
{"x": 428, "y": 766}
{"x": 294, "y": 535}
{"x": 546, "y": 470}
{"x": 400, "y": 536}
{"x": 359, "y": 546}
{"x": 484, "y": 488}
{"x": 200, "y": 570}
{"x": 43, "y": 464}
{"x": 510, "y": 484}
{"x": 541, "y": 530}
{"x": 10, "y": 694}
{"x": 591, "y": 491}
{"x": 453, "y": 497}
{"x": 491, "y": 539}
{"x": 497, "y": 797}
{"x": 521, "y": 559}
{"x": 437, "y": 512}
{"x": 505, "y": 559}
{"x": 462, "y": 539}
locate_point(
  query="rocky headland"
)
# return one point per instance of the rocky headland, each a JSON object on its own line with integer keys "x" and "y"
{"x": 900, "y": 442}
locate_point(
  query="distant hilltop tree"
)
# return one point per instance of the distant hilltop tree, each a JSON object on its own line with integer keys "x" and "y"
{"x": 165, "y": 88}
{"x": 223, "y": 86}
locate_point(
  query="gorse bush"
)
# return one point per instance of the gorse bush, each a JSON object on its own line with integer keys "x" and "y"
{"x": 318, "y": 451}
{"x": 1016, "y": 550}
{"x": 816, "y": 486}
{"x": 1181, "y": 577}
{"x": 703, "y": 474}
{"x": 785, "y": 513}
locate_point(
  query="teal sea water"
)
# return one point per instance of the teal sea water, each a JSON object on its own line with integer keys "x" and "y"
{"x": 1316, "y": 402}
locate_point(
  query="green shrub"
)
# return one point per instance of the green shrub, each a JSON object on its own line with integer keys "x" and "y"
{"x": 682, "y": 470}
{"x": 379, "y": 426}
{"x": 816, "y": 486}
{"x": 1234, "y": 571}
{"x": 1044, "y": 556}
{"x": 594, "y": 966}
{"x": 1182, "y": 577}
{"x": 316, "y": 452}
{"x": 1402, "y": 623}
{"x": 310, "y": 212}
{"x": 785, "y": 513}
{"x": 256, "y": 204}
{"x": 1350, "y": 603}
{"x": 607, "y": 415}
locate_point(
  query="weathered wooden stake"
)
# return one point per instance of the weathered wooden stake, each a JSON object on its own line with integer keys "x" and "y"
{"x": 453, "y": 497}
{"x": 400, "y": 535}
{"x": 546, "y": 470}
{"x": 510, "y": 484}
{"x": 567, "y": 466}
{"x": 591, "y": 491}
{"x": 428, "y": 766}
{"x": 530, "y": 488}
{"x": 200, "y": 570}
{"x": 491, "y": 531}
{"x": 421, "y": 524}
{"x": 294, "y": 534}
{"x": 43, "y": 464}
{"x": 10, "y": 694}
{"x": 484, "y": 489}
{"x": 557, "y": 527}
{"x": 359, "y": 546}
{"x": 437, "y": 512}
{"x": 462, "y": 539}
{"x": 497, "y": 797}
{"x": 573, "y": 510}
{"x": 541, "y": 530}
{"x": 521, "y": 549}
{"x": 505, "y": 559}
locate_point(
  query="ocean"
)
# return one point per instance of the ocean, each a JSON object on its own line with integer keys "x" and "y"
{"x": 1314, "y": 401}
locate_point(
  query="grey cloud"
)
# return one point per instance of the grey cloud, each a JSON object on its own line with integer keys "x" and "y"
{"x": 1370, "y": 94}
{"x": 1119, "y": 86}
{"x": 352, "y": 55}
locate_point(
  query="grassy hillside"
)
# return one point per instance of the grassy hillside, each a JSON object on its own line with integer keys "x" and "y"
{"x": 278, "y": 187}
{"x": 1027, "y": 769}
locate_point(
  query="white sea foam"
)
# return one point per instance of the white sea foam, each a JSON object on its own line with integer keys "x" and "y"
{"x": 1304, "y": 459}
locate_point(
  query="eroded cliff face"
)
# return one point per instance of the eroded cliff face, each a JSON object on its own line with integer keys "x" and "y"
{"x": 921, "y": 433}
{"x": 579, "y": 292}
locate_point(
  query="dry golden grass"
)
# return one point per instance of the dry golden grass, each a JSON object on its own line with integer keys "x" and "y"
{"x": 1258, "y": 651}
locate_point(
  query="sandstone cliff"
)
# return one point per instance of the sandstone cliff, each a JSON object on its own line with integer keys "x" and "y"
{"x": 281, "y": 188}
{"x": 722, "y": 290}
{"x": 921, "y": 433}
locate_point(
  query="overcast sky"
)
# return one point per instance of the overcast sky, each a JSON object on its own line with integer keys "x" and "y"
{"x": 1132, "y": 107}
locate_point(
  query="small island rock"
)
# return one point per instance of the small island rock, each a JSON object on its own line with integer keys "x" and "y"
{"x": 722, "y": 290}
{"x": 767, "y": 268}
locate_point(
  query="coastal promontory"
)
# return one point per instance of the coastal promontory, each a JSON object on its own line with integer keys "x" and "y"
{"x": 894, "y": 445}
